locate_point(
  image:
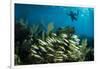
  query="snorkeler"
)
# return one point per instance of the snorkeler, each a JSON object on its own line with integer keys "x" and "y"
{"x": 73, "y": 15}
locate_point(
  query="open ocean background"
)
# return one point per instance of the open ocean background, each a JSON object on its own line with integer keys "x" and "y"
{"x": 33, "y": 14}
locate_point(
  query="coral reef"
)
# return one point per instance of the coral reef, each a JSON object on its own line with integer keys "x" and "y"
{"x": 33, "y": 45}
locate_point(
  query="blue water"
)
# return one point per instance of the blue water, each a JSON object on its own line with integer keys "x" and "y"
{"x": 84, "y": 25}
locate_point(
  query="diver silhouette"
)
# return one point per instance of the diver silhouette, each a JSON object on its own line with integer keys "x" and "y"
{"x": 73, "y": 15}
